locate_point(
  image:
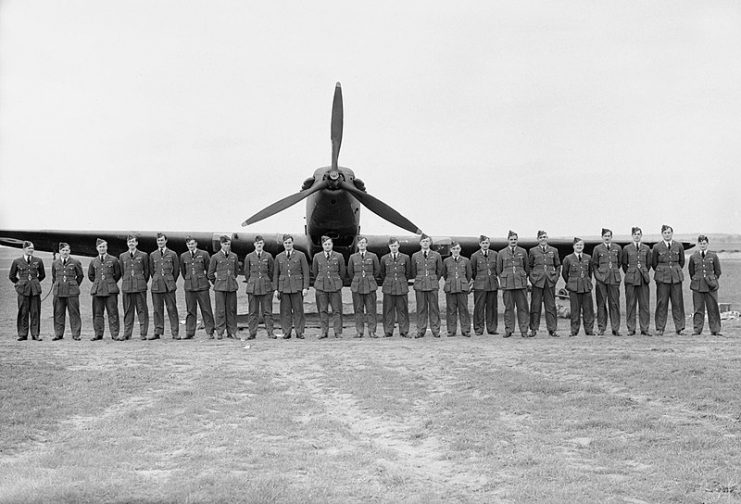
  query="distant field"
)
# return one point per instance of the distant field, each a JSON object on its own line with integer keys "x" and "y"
{"x": 568, "y": 420}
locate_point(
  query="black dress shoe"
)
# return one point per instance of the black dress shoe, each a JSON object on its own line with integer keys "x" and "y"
{"x": 532, "y": 334}
{"x": 323, "y": 336}
{"x": 507, "y": 335}
{"x": 601, "y": 332}
{"x": 373, "y": 335}
{"x": 22, "y": 339}
{"x": 56, "y": 338}
{"x": 251, "y": 336}
{"x": 631, "y": 333}
{"x": 76, "y": 338}
{"x": 417, "y": 336}
{"x": 679, "y": 332}
{"x": 717, "y": 334}
{"x": 524, "y": 335}
{"x": 695, "y": 333}
{"x": 494, "y": 333}
{"x": 272, "y": 336}
{"x": 645, "y": 333}
{"x": 156, "y": 336}
{"x": 616, "y": 333}
{"x": 301, "y": 336}
{"x": 466, "y": 335}
{"x": 436, "y": 335}
{"x": 358, "y": 336}
{"x": 554, "y": 334}
{"x": 571, "y": 335}
{"x": 96, "y": 338}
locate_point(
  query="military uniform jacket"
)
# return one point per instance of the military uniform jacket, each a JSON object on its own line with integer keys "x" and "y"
{"x": 577, "y": 274}
{"x": 194, "y": 269}
{"x": 427, "y": 272}
{"x": 704, "y": 273}
{"x": 223, "y": 271}
{"x": 134, "y": 271}
{"x": 513, "y": 268}
{"x": 66, "y": 278}
{"x": 395, "y": 274}
{"x": 165, "y": 270}
{"x": 27, "y": 277}
{"x": 291, "y": 275}
{"x": 606, "y": 263}
{"x": 457, "y": 275}
{"x": 328, "y": 273}
{"x": 636, "y": 263}
{"x": 363, "y": 272}
{"x": 258, "y": 273}
{"x": 544, "y": 266}
{"x": 668, "y": 262}
{"x": 104, "y": 275}
{"x": 484, "y": 270}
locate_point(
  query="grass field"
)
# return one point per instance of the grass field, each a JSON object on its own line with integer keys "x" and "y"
{"x": 586, "y": 419}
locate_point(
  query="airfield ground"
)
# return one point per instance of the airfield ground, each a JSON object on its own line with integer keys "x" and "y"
{"x": 486, "y": 419}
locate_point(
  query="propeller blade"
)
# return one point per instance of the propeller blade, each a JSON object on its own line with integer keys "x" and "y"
{"x": 381, "y": 209}
{"x": 286, "y": 202}
{"x": 336, "y": 127}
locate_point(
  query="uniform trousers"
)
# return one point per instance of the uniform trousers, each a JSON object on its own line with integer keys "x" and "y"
{"x": 539, "y": 297}
{"x": 62, "y": 305}
{"x": 518, "y": 298}
{"x": 194, "y": 299}
{"x": 637, "y": 295}
{"x": 135, "y": 301}
{"x": 364, "y": 306}
{"x": 323, "y": 300}
{"x": 225, "y": 316}
{"x": 485, "y": 307}
{"x": 396, "y": 308}
{"x": 608, "y": 298}
{"x": 292, "y": 313}
{"x": 581, "y": 308}
{"x": 457, "y": 307}
{"x": 427, "y": 306}
{"x": 666, "y": 292}
{"x": 108, "y": 304}
{"x": 700, "y": 300}
{"x": 29, "y": 309}
{"x": 257, "y": 304}
{"x": 159, "y": 301}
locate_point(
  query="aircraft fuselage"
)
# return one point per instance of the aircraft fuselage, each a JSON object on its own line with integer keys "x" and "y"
{"x": 333, "y": 212}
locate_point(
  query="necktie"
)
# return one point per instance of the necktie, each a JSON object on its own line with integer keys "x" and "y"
{"x": 259, "y": 254}
{"x": 362, "y": 256}
{"x": 288, "y": 255}
{"x": 513, "y": 251}
{"x": 132, "y": 255}
{"x": 327, "y": 256}
{"x": 192, "y": 255}
{"x": 226, "y": 254}
{"x": 703, "y": 254}
{"x": 425, "y": 255}
{"x": 638, "y": 247}
{"x": 102, "y": 258}
{"x": 486, "y": 254}
{"x": 544, "y": 250}
{"x": 579, "y": 256}
{"x": 28, "y": 259}
{"x": 64, "y": 262}
{"x": 162, "y": 252}
{"x": 456, "y": 259}
{"x": 394, "y": 255}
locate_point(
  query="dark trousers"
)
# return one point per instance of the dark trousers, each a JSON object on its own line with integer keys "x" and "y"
{"x": 700, "y": 300}
{"x": 62, "y": 305}
{"x": 257, "y": 304}
{"x": 581, "y": 307}
{"x": 109, "y": 304}
{"x": 135, "y": 302}
{"x": 194, "y": 299}
{"x": 637, "y": 295}
{"x": 456, "y": 305}
{"x": 427, "y": 305}
{"x": 323, "y": 301}
{"x": 364, "y": 306}
{"x": 485, "y": 307}
{"x": 512, "y": 298}
{"x": 159, "y": 301}
{"x": 664, "y": 293}
{"x": 226, "y": 312}
{"x": 292, "y": 313}
{"x": 29, "y": 310}
{"x": 539, "y": 297}
{"x": 396, "y": 308}
{"x": 608, "y": 296}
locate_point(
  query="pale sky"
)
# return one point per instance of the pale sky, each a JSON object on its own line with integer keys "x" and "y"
{"x": 467, "y": 117}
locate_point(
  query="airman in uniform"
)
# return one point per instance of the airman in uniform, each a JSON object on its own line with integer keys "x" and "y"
{"x": 485, "y": 288}
{"x": 396, "y": 271}
{"x": 606, "y": 260}
{"x": 458, "y": 283}
{"x": 545, "y": 268}
{"x": 328, "y": 268}
{"x": 222, "y": 271}
{"x": 704, "y": 269}
{"x": 427, "y": 267}
{"x": 258, "y": 273}
{"x": 513, "y": 267}
{"x": 164, "y": 267}
{"x": 134, "y": 278}
{"x": 577, "y": 273}
{"x": 291, "y": 280}
{"x": 194, "y": 266}
{"x": 636, "y": 261}
{"x": 104, "y": 272}
{"x": 667, "y": 262}
{"x": 27, "y": 273}
{"x": 363, "y": 267}
{"x": 67, "y": 275}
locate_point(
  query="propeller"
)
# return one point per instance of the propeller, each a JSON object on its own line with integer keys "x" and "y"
{"x": 337, "y": 124}
{"x": 380, "y": 208}
{"x": 286, "y": 202}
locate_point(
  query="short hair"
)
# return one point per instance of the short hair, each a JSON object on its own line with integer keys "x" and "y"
{"x": 636, "y": 229}
{"x": 702, "y": 238}
{"x": 189, "y": 239}
{"x": 665, "y": 227}
{"x": 541, "y": 233}
{"x": 393, "y": 239}
{"x": 27, "y": 244}
{"x": 511, "y": 234}
{"x": 454, "y": 244}
{"x": 161, "y": 235}
{"x": 325, "y": 238}
{"x": 258, "y": 239}
{"x": 287, "y": 237}
{"x": 63, "y": 245}
{"x": 577, "y": 240}
{"x": 360, "y": 238}
{"x": 483, "y": 238}
{"x": 605, "y": 231}
{"x": 224, "y": 239}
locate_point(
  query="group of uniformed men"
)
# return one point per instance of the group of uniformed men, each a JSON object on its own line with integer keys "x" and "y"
{"x": 512, "y": 269}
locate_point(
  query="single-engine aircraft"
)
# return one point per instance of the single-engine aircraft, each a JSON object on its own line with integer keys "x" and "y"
{"x": 333, "y": 199}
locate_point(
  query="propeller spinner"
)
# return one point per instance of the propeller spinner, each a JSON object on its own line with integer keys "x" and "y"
{"x": 335, "y": 180}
